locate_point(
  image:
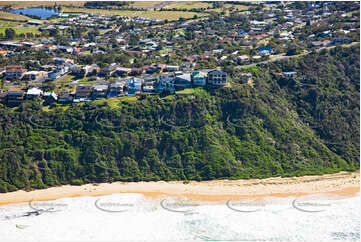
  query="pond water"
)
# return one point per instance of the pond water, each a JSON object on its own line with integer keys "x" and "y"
{"x": 43, "y": 13}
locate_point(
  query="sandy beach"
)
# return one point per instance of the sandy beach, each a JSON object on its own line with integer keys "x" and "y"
{"x": 343, "y": 184}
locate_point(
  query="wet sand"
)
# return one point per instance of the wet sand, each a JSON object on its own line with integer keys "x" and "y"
{"x": 343, "y": 184}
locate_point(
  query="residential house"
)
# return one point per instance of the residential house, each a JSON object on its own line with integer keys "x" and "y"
{"x": 187, "y": 66}
{"x": 166, "y": 81}
{"x": 341, "y": 40}
{"x": 152, "y": 69}
{"x": 150, "y": 80}
{"x": 242, "y": 59}
{"x": 109, "y": 70}
{"x": 50, "y": 97}
{"x": 136, "y": 71}
{"x": 116, "y": 89}
{"x": 33, "y": 93}
{"x": 245, "y": 78}
{"x": 54, "y": 75}
{"x": 34, "y": 76}
{"x": 3, "y": 52}
{"x": 67, "y": 49}
{"x": 122, "y": 71}
{"x": 264, "y": 50}
{"x": 88, "y": 70}
{"x": 34, "y": 22}
{"x": 171, "y": 68}
{"x": 48, "y": 68}
{"x": 99, "y": 91}
{"x": 321, "y": 43}
{"x": 91, "y": 70}
{"x": 77, "y": 70}
{"x": 83, "y": 92}
{"x": 14, "y": 72}
{"x": 59, "y": 71}
{"x": 182, "y": 81}
{"x": 62, "y": 61}
{"x": 217, "y": 78}
{"x": 65, "y": 97}
{"x": 134, "y": 86}
{"x": 3, "y": 97}
{"x": 15, "y": 96}
{"x": 289, "y": 74}
{"x": 149, "y": 83}
{"x": 199, "y": 78}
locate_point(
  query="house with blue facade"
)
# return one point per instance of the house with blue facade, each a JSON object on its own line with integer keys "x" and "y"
{"x": 264, "y": 50}
{"x": 134, "y": 86}
{"x": 199, "y": 78}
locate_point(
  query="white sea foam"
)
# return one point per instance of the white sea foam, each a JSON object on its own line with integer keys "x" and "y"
{"x": 134, "y": 217}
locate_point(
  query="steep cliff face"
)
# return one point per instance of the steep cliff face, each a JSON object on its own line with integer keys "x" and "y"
{"x": 278, "y": 126}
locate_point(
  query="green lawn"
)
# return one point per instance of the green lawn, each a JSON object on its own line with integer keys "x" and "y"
{"x": 21, "y": 30}
{"x": 115, "y": 102}
{"x": 188, "y": 5}
{"x": 65, "y": 79}
{"x": 83, "y": 80}
{"x": 12, "y": 16}
{"x": 238, "y": 7}
{"x": 186, "y": 91}
{"x": 161, "y": 15}
{"x": 4, "y": 23}
{"x": 32, "y": 4}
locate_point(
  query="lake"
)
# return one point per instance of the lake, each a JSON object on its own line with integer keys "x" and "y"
{"x": 43, "y": 13}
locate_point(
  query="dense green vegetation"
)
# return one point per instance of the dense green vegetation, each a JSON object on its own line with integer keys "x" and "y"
{"x": 280, "y": 127}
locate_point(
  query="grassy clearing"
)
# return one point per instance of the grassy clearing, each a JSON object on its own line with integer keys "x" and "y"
{"x": 236, "y": 6}
{"x": 116, "y": 102}
{"x": 147, "y": 4}
{"x": 161, "y": 15}
{"x": 21, "y": 30}
{"x": 12, "y": 16}
{"x": 128, "y": 99}
{"x": 83, "y": 80}
{"x": 9, "y": 24}
{"x": 64, "y": 107}
{"x": 185, "y": 91}
{"x": 113, "y": 102}
{"x": 33, "y": 4}
{"x": 65, "y": 79}
{"x": 188, "y": 5}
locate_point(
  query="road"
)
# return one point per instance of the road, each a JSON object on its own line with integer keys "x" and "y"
{"x": 283, "y": 56}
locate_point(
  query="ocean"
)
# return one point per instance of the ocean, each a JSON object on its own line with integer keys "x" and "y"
{"x": 135, "y": 217}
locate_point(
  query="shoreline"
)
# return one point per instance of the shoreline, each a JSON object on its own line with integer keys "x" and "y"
{"x": 339, "y": 185}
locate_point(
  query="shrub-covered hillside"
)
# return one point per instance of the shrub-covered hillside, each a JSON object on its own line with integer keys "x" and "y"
{"x": 281, "y": 126}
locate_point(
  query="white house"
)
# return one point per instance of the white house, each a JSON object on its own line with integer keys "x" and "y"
{"x": 33, "y": 93}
